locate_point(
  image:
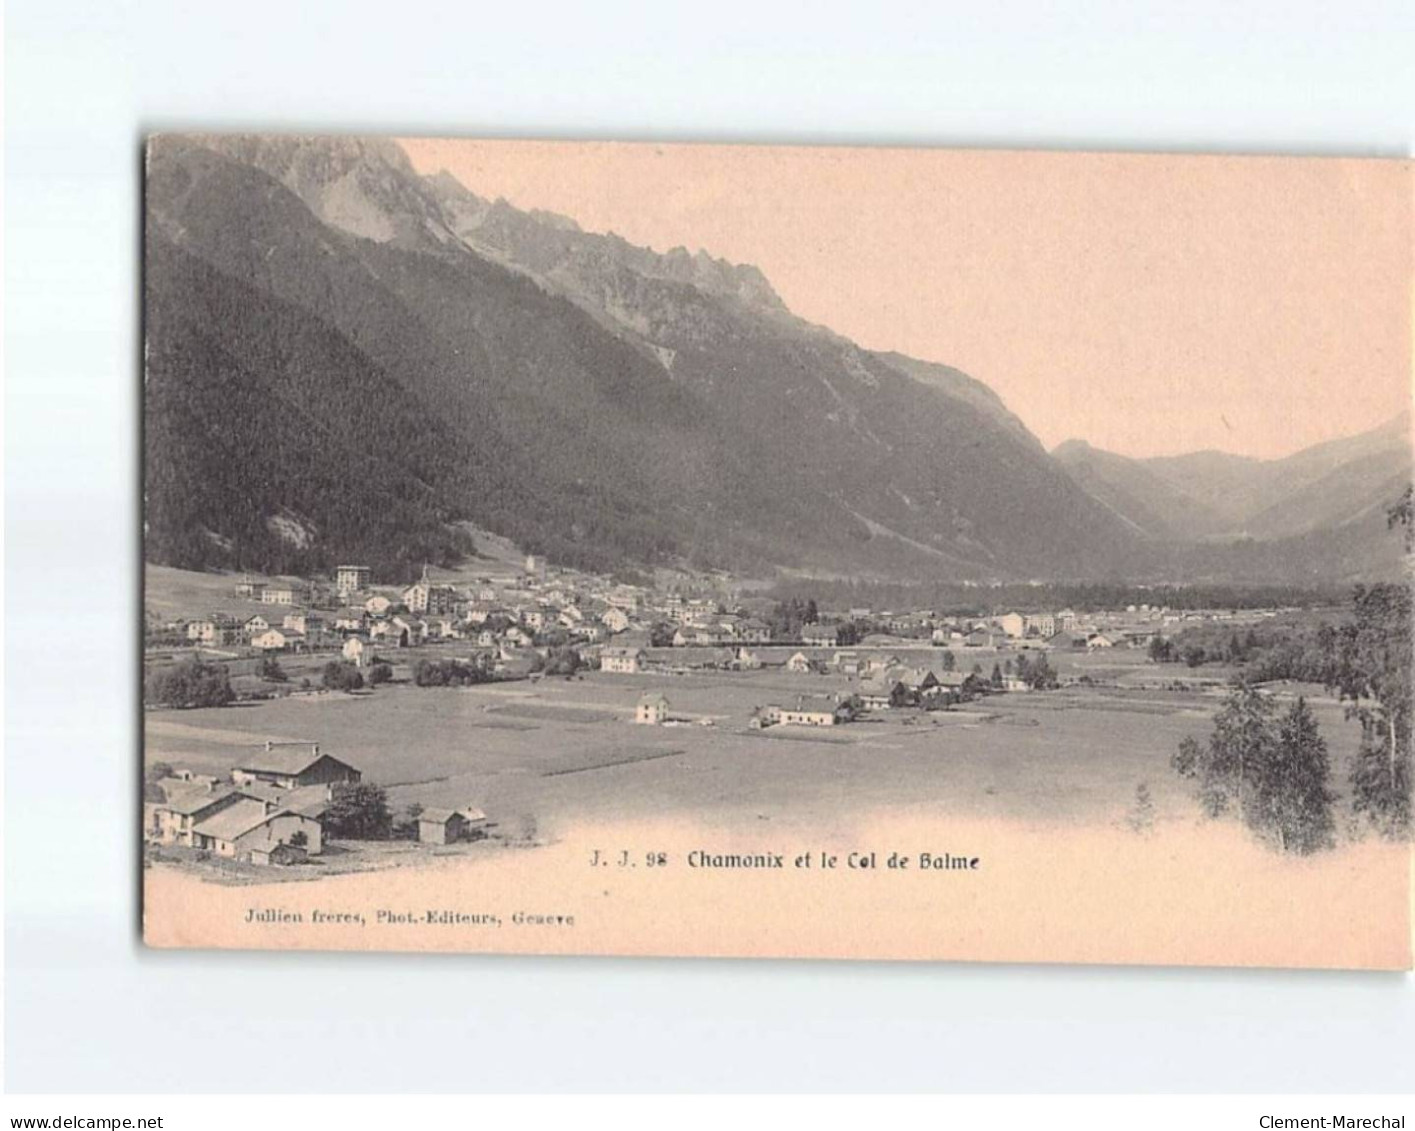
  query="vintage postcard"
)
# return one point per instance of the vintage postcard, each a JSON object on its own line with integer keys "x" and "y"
{"x": 639, "y": 549}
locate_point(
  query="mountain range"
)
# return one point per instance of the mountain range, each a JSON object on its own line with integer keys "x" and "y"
{"x": 348, "y": 359}
{"x": 1323, "y": 508}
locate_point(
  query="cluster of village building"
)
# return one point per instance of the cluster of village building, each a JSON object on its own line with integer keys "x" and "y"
{"x": 357, "y": 619}
{"x": 505, "y": 617}
{"x": 885, "y": 683}
{"x": 627, "y": 629}
{"x": 271, "y": 808}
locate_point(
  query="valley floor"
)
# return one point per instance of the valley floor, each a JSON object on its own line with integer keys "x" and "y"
{"x": 540, "y": 755}
{"x": 606, "y": 835}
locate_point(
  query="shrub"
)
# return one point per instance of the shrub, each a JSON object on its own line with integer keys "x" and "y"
{"x": 269, "y": 669}
{"x": 190, "y": 683}
{"x": 358, "y": 810}
{"x": 340, "y": 675}
{"x": 1273, "y": 771}
{"x": 450, "y": 673}
{"x": 1141, "y": 817}
{"x": 562, "y": 661}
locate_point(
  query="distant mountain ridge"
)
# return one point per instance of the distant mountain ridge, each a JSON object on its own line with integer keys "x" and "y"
{"x": 453, "y": 359}
{"x": 1328, "y": 500}
{"x": 1216, "y": 494}
{"x": 554, "y": 246}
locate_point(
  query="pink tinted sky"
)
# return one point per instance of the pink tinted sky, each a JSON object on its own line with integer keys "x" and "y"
{"x": 1148, "y": 304}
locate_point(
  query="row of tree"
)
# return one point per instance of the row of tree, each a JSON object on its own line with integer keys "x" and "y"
{"x": 1275, "y": 771}
{"x": 958, "y": 599}
{"x": 452, "y": 672}
{"x": 1037, "y": 673}
{"x": 1272, "y": 770}
{"x": 190, "y": 683}
{"x": 196, "y": 683}
{"x": 1282, "y": 649}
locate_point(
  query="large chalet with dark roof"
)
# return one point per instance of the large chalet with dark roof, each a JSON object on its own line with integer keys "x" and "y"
{"x": 293, "y": 765}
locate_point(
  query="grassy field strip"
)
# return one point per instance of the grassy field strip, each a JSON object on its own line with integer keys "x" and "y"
{"x": 808, "y": 734}
{"x": 554, "y": 711}
{"x": 421, "y": 781}
{"x": 169, "y": 729}
{"x": 627, "y": 760}
{"x": 496, "y": 724}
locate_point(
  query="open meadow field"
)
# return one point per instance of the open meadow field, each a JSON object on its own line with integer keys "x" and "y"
{"x": 537, "y": 754}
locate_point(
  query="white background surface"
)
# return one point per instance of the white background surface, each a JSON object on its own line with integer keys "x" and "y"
{"x": 87, "y": 1009}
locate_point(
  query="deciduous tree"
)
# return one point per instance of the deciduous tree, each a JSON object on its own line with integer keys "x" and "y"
{"x": 359, "y": 811}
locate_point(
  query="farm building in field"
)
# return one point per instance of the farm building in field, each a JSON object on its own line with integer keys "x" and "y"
{"x": 820, "y": 635}
{"x": 815, "y": 711}
{"x": 247, "y": 827}
{"x": 624, "y": 661}
{"x": 801, "y": 664}
{"x": 293, "y": 764}
{"x": 880, "y": 693}
{"x": 767, "y": 716}
{"x": 652, "y": 710}
{"x": 447, "y": 826}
